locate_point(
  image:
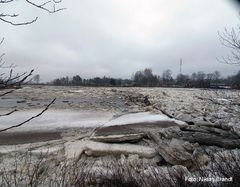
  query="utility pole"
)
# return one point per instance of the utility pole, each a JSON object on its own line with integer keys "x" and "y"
{"x": 180, "y": 66}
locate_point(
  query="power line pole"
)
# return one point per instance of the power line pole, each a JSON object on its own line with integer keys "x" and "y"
{"x": 180, "y": 66}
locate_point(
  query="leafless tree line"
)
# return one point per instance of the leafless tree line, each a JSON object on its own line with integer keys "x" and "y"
{"x": 146, "y": 78}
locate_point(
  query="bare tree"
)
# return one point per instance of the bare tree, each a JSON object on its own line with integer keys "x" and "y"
{"x": 146, "y": 78}
{"x": 231, "y": 40}
{"x": 36, "y": 79}
{"x": 50, "y": 6}
{"x": 10, "y": 82}
{"x": 167, "y": 77}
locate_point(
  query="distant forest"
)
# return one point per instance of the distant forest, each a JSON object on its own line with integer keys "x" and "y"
{"x": 146, "y": 78}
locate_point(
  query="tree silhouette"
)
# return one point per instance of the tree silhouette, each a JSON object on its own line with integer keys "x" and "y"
{"x": 231, "y": 40}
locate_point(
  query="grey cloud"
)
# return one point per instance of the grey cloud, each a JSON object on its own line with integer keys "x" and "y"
{"x": 117, "y": 38}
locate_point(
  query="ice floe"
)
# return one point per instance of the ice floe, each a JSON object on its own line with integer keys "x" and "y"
{"x": 141, "y": 117}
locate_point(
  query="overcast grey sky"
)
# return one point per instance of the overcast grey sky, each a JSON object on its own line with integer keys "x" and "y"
{"x": 118, "y": 37}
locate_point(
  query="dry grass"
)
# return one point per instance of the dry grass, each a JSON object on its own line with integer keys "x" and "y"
{"x": 29, "y": 171}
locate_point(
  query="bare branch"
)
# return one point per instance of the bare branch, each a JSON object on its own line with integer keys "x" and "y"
{"x": 6, "y": 1}
{"x": 231, "y": 39}
{"x": 8, "y": 92}
{"x": 6, "y": 67}
{"x": 44, "y": 6}
{"x": 18, "y": 24}
{"x": 11, "y": 82}
{"x": 30, "y": 119}
{"x": 1, "y": 41}
{"x": 9, "y": 113}
{"x": 9, "y": 15}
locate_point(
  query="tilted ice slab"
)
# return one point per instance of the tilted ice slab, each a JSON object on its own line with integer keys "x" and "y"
{"x": 142, "y": 117}
{"x": 55, "y": 119}
{"x": 63, "y": 119}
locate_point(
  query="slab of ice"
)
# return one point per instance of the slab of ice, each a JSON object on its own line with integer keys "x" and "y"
{"x": 44, "y": 151}
{"x": 55, "y": 119}
{"x": 77, "y": 91}
{"x": 142, "y": 117}
{"x": 223, "y": 100}
{"x": 62, "y": 119}
{"x": 75, "y": 149}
